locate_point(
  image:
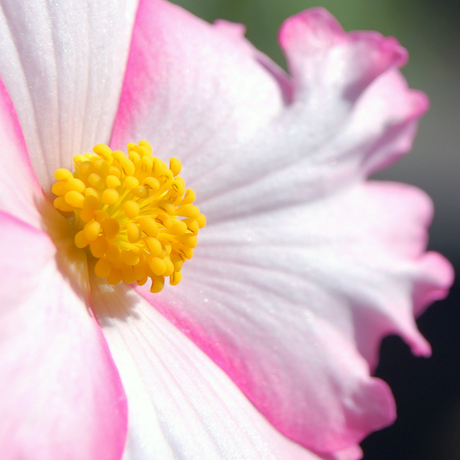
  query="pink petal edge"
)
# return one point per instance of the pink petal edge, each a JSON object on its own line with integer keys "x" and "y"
{"x": 20, "y": 191}
{"x": 307, "y": 39}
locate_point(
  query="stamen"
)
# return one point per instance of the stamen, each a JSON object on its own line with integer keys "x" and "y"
{"x": 133, "y": 213}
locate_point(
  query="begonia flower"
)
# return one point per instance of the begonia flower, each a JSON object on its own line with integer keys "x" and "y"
{"x": 266, "y": 347}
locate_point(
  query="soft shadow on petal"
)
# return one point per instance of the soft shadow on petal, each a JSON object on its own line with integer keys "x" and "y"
{"x": 63, "y": 65}
{"x": 61, "y": 393}
{"x": 181, "y": 405}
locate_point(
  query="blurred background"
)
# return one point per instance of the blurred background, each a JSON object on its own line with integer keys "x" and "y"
{"x": 427, "y": 391}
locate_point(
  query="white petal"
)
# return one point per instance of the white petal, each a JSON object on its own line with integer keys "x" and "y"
{"x": 289, "y": 303}
{"x": 63, "y": 64}
{"x": 181, "y": 405}
{"x": 280, "y": 170}
{"x": 248, "y": 143}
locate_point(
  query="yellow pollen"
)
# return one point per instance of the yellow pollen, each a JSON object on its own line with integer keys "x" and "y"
{"x": 132, "y": 213}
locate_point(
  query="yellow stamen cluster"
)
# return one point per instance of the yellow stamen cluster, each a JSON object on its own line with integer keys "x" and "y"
{"x": 133, "y": 213}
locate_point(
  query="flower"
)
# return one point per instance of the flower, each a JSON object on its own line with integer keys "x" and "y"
{"x": 303, "y": 267}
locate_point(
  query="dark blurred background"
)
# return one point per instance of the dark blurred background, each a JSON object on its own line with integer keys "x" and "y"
{"x": 427, "y": 391}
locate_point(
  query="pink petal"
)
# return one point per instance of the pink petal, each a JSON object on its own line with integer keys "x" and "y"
{"x": 383, "y": 124}
{"x": 195, "y": 92}
{"x": 63, "y": 65}
{"x": 20, "y": 192}
{"x": 291, "y": 304}
{"x": 324, "y": 140}
{"x": 181, "y": 405}
{"x": 61, "y": 393}
{"x": 317, "y": 47}
{"x": 204, "y": 95}
{"x": 301, "y": 269}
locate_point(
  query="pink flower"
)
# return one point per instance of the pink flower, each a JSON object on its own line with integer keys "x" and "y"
{"x": 303, "y": 267}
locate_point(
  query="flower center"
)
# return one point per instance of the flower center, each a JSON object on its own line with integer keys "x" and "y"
{"x": 133, "y": 213}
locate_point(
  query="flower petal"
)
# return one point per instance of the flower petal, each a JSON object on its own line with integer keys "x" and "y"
{"x": 63, "y": 65}
{"x": 61, "y": 393}
{"x": 318, "y": 48}
{"x": 348, "y": 89}
{"x": 325, "y": 139}
{"x": 195, "y": 92}
{"x": 181, "y": 405}
{"x": 283, "y": 312}
{"x": 236, "y": 32}
{"x": 205, "y": 95}
{"x": 20, "y": 191}
{"x": 293, "y": 303}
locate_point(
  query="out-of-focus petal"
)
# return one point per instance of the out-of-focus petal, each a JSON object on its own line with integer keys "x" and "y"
{"x": 181, "y": 405}
{"x": 20, "y": 192}
{"x": 382, "y": 126}
{"x": 63, "y": 65}
{"x": 325, "y": 139}
{"x": 292, "y": 303}
{"x": 236, "y": 32}
{"x": 322, "y": 56}
{"x": 61, "y": 393}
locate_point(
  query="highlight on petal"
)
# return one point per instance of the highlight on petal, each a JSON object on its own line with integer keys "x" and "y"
{"x": 61, "y": 393}
{"x": 313, "y": 159}
{"x": 63, "y": 64}
{"x": 181, "y": 405}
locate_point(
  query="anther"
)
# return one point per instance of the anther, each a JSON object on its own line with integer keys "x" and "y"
{"x": 133, "y": 213}
{"x": 131, "y": 209}
{"x": 62, "y": 174}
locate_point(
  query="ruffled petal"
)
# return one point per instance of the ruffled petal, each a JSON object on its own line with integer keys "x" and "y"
{"x": 181, "y": 405}
{"x": 321, "y": 56}
{"x": 61, "y": 393}
{"x": 348, "y": 89}
{"x": 293, "y": 304}
{"x": 325, "y": 139}
{"x": 63, "y": 66}
{"x": 20, "y": 192}
{"x": 206, "y": 96}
